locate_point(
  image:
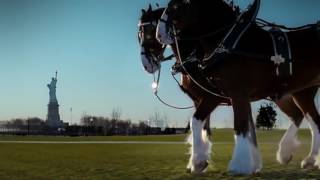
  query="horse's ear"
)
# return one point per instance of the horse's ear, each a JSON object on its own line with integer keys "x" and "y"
{"x": 150, "y": 8}
{"x": 143, "y": 11}
{"x": 157, "y": 5}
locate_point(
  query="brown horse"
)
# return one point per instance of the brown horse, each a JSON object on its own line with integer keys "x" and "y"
{"x": 245, "y": 73}
{"x": 152, "y": 53}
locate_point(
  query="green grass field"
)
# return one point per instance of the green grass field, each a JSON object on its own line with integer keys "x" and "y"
{"x": 138, "y": 161}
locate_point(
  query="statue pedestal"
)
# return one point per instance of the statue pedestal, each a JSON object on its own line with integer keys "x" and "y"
{"x": 53, "y": 117}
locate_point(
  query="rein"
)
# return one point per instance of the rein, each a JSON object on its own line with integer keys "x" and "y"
{"x": 210, "y": 34}
{"x": 155, "y": 87}
{"x": 189, "y": 75}
{"x": 263, "y": 23}
{"x": 156, "y": 60}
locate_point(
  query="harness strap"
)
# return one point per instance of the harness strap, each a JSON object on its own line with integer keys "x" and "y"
{"x": 282, "y": 53}
{"x": 154, "y": 23}
{"x": 243, "y": 23}
{"x": 190, "y": 76}
{"x": 263, "y": 23}
{"x": 163, "y": 20}
{"x": 168, "y": 58}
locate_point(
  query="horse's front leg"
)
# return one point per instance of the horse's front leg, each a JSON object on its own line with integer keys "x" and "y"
{"x": 199, "y": 138}
{"x": 246, "y": 157}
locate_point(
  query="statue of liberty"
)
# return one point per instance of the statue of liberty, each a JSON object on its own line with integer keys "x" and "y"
{"x": 52, "y": 89}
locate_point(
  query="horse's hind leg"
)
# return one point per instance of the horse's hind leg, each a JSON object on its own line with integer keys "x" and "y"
{"x": 289, "y": 142}
{"x": 200, "y": 144}
{"x": 305, "y": 100}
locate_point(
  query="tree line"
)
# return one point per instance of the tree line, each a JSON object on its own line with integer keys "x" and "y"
{"x": 113, "y": 126}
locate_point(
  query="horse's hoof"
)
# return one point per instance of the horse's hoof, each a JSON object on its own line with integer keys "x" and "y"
{"x": 201, "y": 167}
{"x": 288, "y": 160}
{"x": 308, "y": 164}
{"x": 188, "y": 170}
{"x": 284, "y": 159}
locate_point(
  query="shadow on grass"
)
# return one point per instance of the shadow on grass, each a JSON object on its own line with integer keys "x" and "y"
{"x": 280, "y": 174}
{"x": 291, "y": 174}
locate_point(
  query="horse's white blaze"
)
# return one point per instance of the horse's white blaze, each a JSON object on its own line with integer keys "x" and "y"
{"x": 162, "y": 34}
{"x": 200, "y": 145}
{"x": 148, "y": 65}
{"x": 246, "y": 157}
{"x": 288, "y": 145}
{"x": 311, "y": 160}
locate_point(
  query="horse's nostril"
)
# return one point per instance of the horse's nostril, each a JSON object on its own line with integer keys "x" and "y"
{"x": 145, "y": 67}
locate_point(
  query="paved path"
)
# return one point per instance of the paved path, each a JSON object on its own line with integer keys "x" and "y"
{"x": 90, "y": 142}
{"x": 110, "y": 142}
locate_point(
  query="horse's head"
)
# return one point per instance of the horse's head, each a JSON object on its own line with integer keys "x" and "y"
{"x": 151, "y": 50}
{"x": 193, "y": 15}
{"x": 180, "y": 14}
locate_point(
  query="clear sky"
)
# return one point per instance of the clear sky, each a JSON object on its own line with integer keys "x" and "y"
{"x": 93, "y": 45}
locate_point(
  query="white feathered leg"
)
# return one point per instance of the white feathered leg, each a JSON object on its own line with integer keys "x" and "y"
{"x": 311, "y": 160}
{"x": 246, "y": 157}
{"x": 288, "y": 145}
{"x": 200, "y": 147}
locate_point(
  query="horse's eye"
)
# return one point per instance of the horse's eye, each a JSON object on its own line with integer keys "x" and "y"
{"x": 148, "y": 37}
{"x": 175, "y": 6}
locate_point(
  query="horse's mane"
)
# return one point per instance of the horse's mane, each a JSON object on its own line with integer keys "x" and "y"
{"x": 213, "y": 15}
{"x": 151, "y": 14}
{"x": 235, "y": 8}
{"x": 220, "y": 8}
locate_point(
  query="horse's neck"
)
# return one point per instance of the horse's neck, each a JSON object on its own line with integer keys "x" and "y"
{"x": 158, "y": 13}
{"x": 185, "y": 50}
{"x": 209, "y": 22}
{"x": 215, "y": 14}
{"x": 214, "y": 17}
